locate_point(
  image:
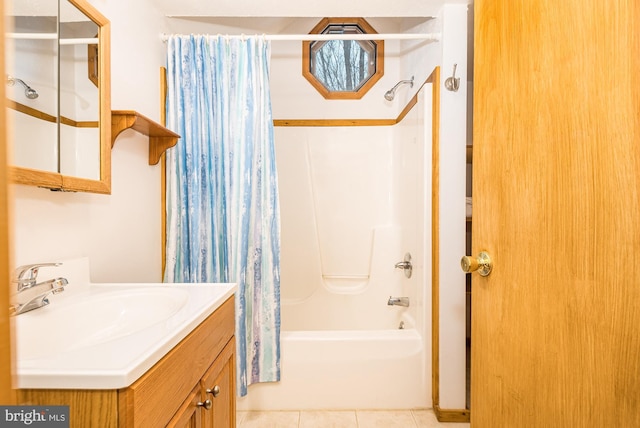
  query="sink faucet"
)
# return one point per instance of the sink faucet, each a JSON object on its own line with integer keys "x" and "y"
{"x": 30, "y": 294}
{"x": 398, "y": 301}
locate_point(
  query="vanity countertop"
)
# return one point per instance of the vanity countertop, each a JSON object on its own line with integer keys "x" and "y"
{"x": 105, "y": 336}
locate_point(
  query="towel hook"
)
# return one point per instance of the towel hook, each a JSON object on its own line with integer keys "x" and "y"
{"x": 452, "y": 83}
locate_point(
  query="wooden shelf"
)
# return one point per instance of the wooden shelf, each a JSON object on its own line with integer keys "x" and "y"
{"x": 160, "y": 138}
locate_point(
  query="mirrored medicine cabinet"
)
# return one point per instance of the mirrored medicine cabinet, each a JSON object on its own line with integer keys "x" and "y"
{"x": 58, "y": 95}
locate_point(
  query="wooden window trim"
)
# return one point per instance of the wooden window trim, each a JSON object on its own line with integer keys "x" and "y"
{"x": 343, "y": 95}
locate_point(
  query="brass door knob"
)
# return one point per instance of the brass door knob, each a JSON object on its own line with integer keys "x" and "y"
{"x": 482, "y": 264}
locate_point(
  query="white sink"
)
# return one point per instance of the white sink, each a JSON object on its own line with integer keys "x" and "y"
{"x": 88, "y": 319}
{"x": 105, "y": 336}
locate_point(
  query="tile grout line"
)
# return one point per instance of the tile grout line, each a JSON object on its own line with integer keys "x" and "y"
{"x": 413, "y": 416}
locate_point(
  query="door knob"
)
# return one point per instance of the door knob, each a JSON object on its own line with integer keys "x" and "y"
{"x": 482, "y": 264}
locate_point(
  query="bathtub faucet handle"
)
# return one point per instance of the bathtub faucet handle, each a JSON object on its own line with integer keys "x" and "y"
{"x": 406, "y": 265}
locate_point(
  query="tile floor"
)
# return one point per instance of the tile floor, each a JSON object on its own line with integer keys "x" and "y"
{"x": 342, "y": 419}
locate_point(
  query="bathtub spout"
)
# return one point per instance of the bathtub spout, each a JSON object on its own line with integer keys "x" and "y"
{"x": 398, "y": 301}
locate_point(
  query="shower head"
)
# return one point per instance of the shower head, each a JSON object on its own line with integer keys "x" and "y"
{"x": 391, "y": 93}
{"x": 29, "y": 92}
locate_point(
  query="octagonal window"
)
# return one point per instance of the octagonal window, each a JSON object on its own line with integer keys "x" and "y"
{"x": 343, "y": 69}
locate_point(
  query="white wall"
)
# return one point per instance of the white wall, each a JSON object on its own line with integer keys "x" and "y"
{"x": 452, "y": 23}
{"x": 119, "y": 232}
{"x": 453, "y": 140}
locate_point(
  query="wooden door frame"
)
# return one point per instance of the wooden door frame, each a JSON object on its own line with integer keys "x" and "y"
{"x": 7, "y": 394}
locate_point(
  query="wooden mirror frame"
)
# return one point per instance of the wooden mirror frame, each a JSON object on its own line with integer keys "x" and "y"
{"x": 58, "y": 181}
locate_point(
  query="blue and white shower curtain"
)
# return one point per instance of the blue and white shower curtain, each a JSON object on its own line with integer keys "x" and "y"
{"x": 223, "y": 220}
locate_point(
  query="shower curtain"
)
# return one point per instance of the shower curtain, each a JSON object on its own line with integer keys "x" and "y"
{"x": 223, "y": 220}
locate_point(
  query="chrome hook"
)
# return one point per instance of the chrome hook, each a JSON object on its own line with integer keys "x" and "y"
{"x": 453, "y": 83}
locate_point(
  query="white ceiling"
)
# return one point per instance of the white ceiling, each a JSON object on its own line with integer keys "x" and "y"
{"x": 302, "y": 8}
{"x": 275, "y": 16}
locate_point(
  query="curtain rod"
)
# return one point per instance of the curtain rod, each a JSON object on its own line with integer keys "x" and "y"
{"x": 434, "y": 37}
{"x": 32, "y": 36}
{"x": 53, "y": 36}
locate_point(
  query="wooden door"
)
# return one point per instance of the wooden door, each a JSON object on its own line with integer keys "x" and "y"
{"x": 556, "y": 326}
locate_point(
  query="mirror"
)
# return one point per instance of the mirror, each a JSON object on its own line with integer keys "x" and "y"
{"x": 57, "y": 77}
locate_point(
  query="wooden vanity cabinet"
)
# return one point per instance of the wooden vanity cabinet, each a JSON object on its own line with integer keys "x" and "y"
{"x": 158, "y": 397}
{"x": 174, "y": 392}
{"x": 212, "y": 403}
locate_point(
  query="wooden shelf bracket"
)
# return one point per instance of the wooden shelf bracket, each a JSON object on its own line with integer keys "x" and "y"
{"x": 160, "y": 138}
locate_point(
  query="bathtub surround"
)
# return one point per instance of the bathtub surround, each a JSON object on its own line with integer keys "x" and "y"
{"x": 223, "y": 221}
{"x": 338, "y": 332}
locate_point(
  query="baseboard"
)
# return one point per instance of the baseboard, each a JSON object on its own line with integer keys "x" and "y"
{"x": 452, "y": 415}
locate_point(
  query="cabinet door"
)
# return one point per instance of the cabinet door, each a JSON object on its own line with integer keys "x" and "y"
{"x": 219, "y": 387}
{"x": 190, "y": 413}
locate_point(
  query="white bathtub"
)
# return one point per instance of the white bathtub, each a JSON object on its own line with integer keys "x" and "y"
{"x": 367, "y": 369}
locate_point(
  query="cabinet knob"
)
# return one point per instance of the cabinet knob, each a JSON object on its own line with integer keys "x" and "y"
{"x": 215, "y": 391}
{"x": 206, "y": 404}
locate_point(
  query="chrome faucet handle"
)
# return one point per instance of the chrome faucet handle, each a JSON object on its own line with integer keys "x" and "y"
{"x": 405, "y": 265}
{"x": 25, "y": 276}
{"x": 58, "y": 284}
